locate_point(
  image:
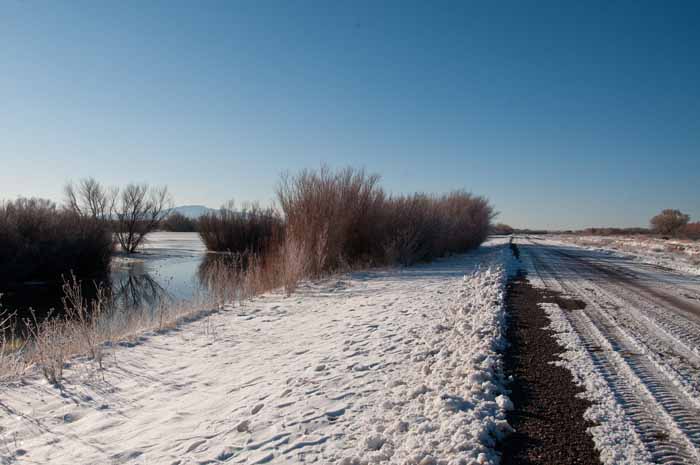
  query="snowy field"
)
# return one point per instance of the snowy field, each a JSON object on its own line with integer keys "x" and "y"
{"x": 679, "y": 255}
{"x": 392, "y": 366}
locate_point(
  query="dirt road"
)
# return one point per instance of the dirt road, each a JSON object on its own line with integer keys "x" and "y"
{"x": 640, "y": 327}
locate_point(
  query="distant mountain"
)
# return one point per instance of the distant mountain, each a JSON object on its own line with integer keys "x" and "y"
{"x": 192, "y": 211}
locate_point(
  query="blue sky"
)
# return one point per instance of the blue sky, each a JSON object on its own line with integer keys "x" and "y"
{"x": 564, "y": 114}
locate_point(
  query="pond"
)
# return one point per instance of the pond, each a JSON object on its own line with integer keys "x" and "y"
{"x": 167, "y": 269}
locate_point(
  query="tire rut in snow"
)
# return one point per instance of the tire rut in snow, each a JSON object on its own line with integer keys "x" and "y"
{"x": 548, "y": 417}
{"x": 664, "y": 419}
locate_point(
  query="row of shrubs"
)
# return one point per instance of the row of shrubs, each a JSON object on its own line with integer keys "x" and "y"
{"x": 39, "y": 241}
{"x": 327, "y": 220}
{"x": 690, "y": 231}
{"x": 177, "y": 222}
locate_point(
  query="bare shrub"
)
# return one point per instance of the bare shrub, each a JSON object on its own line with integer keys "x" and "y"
{"x": 221, "y": 275}
{"x": 332, "y": 215}
{"x": 613, "y": 231}
{"x": 131, "y": 212}
{"x": 83, "y": 318}
{"x": 691, "y": 231}
{"x": 11, "y": 347}
{"x": 345, "y": 218}
{"x": 409, "y": 229}
{"x": 50, "y": 346}
{"x": 139, "y": 210}
{"x": 421, "y": 227}
{"x": 502, "y": 229}
{"x": 177, "y": 222}
{"x": 293, "y": 264}
{"x": 669, "y": 221}
{"x": 90, "y": 198}
{"x": 38, "y": 241}
{"x": 250, "y": 231}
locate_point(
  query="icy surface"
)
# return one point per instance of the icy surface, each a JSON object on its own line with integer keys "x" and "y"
{"x": 395, "y": 366}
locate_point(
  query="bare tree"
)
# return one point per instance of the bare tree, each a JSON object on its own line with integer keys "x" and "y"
{"x": 669, "y": 221}
{"x": 139, "y": 210}
{"x": 91, "y": 199}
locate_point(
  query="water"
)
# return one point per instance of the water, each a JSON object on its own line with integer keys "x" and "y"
{"x": 165, "y": 270}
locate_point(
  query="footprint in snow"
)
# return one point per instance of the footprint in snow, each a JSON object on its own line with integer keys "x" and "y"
{"x": 195, "y": 445}
{"x": 257, "y": 408}
{"x": 243, "y": 426}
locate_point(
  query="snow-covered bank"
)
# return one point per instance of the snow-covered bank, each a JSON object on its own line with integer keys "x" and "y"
{"x": 675, "y": 254}
{"x": 396, "y": 366}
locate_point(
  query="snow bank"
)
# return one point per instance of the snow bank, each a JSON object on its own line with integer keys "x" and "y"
{"x": 448, "y": 406}
{"x": 393, "y": 366}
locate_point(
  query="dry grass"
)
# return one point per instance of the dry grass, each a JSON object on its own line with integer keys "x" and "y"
{"x": 90, "y": 328}
{"x": 12, "y": 363}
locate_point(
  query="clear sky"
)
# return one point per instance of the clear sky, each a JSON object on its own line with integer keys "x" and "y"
{"x": 564, "y": 114}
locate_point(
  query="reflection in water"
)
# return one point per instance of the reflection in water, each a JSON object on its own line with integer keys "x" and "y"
{"x": 222, "y": 276}
{"x": 41, "y": 299}
{"x": 137, "y": 291}
{"x": 174, "y": 271}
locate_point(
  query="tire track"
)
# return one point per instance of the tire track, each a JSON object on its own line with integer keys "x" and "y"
{"x": 648, "y": 328}
{"x": 659, "y": 410}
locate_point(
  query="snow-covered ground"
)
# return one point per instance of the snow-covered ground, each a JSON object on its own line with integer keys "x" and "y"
{"x": 680, "y": 255}
{"x": 392, "y": 366}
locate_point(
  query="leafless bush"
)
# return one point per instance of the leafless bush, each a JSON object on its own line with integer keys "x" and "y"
{"x": 421, "y": 227}
{"x": 90, "y": 198}
{"x": 177, "y": 222}
{"x": 222, "y": 275}
{"x": 38, "y": 241}
{"x": 502, "y": 229}
{"x": 11, "y": 347}
{"x": 49, "y": 346}
{"x": 139, "y": 210}
{"x": 83, "y": 317}
{"x": 669, "y": 221}
{"x": 344, "y": 217}
{"x": 131, "y": 212}
{"x": 250, "y": 231}
{"x": 334, "y": 216}
{"x": 691, "y": 231}
{"x": 613, "y": 231}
